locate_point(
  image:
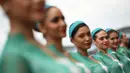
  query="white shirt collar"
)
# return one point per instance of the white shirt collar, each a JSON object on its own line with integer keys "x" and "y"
{"x": 4, "y": 21}
{"x": 4, "y": 28}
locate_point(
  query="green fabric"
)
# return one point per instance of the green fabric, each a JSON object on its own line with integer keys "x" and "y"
{"x": 93, "y": 67}
{"x": 20, "y": 56}
{"x": 95, "y": 31}
{"x": 121, "y": 58}
{"x": 124, "y": 51}
{"x": 53, "y": 48}
{"x": 73, "y": 26}
{"x": 113, "y": 66}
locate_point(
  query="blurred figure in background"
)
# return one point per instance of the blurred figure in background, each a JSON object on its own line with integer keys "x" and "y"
{"x": 22, "y": 53}
{"x": 53, "y": 28}
{"x": 100, "y": 38}
{"x": 123, "y": 40}
{"x": 123, "y": 45}
{"x": 113, "y": 39}
{"x": 129, "y": 44}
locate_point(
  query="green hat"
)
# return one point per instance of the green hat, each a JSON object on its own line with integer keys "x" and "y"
{"x": 47, "y": 6}
{"x": 73, "y": 26}
{"x": 108, "y": 29}
{"x": 95, "y": 31}
{"x": 120, "y": 34}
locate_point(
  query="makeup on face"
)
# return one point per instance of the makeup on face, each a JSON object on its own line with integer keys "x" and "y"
{"x": 57, "y": 18}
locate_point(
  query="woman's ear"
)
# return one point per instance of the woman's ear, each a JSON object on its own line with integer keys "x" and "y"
{"x": 71, "y": 40}
{"x": 42, "y": 28}
{"x": 94, "y": 41}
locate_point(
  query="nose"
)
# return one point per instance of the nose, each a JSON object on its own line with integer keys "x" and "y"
{"x": 88, "y": 38}
{"x": 62, "y": 22}
{"x": 105, "y": 40}
{"x": 116, "y": 40}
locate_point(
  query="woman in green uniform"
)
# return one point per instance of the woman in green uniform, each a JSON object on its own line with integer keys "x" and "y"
{"x": 80, "y": 36}
{"x": 22, "y": 53}
{"x": 123, "y": 44}
{"x": 113, "y": 47}
{"x": 53, "y": 28}
{"x": 100, "y": 39}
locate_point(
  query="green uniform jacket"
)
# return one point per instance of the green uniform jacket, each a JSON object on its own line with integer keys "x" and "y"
{"x": 93, "y": 67}
{"x": 113, "y": 67}
{"x": 124, "y": 51}
{"x": 53, "y": 48}
{"x": 20, "y": 56}
{"x": 122, "y": 59}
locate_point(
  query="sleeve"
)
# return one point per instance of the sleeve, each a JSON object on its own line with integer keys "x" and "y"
{"x": 14, "y": 64}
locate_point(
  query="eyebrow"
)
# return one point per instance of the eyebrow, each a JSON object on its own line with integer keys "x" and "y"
{"x": 59, "y": 17}
{"x": 103, "y": 36}
{"x": 83, "y": 32}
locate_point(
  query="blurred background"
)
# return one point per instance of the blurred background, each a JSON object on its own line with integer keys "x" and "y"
{"x": 96, "y": 13}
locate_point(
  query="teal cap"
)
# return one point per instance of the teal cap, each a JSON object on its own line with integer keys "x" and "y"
{"x": 120, "y": 34}
{"x": 47, "y": 6}
{"x": 108, "y": 29}
{"x": 73, "y": 26}
{"x": 95, "y": 31}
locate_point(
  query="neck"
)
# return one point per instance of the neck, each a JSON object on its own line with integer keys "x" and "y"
{"x": 123, "y": 45}
{"x": 56, "y": 42}
{"x": 83, "y": 52}
{"x": 103, "y": 50}
{"x": 114, "y": 49}
{"x": 21, "y": 27}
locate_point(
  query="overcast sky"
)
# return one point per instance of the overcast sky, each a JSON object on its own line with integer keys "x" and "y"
{"x": 96, "y": 13}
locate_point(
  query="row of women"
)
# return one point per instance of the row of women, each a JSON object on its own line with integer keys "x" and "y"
{"x": 23, "y": 54}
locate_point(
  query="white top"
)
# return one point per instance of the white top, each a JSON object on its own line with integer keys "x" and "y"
{"x": 4, "y": 28}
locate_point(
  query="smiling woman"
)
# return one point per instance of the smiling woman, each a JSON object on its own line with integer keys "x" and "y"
{"x": 53, "y": 28}
{"x": 100, "y": 38}
{"x": 80, "y": 36}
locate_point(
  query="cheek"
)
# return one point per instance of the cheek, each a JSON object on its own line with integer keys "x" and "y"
{"x": 111, "y": 41}
{"x": 99, "y": 42}
{"x": 52, "y": 27}
{"x": 24, "y": 6}
{"x": 78, "y": 41}
{"x": 117, "y": 41}
{"x": 91, "y": 39}
{"x": 21, "y": 11}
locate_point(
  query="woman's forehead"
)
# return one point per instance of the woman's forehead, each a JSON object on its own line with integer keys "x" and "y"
{"x": 101, "y": 34}
{"x": 54, "y": 11}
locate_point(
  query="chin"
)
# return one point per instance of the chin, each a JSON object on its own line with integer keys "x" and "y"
{"x": 63, "y": 35}
{"x": 105, "y": 47}
{"x": 115, "y": 47}
{"x": 87, "y": 47}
